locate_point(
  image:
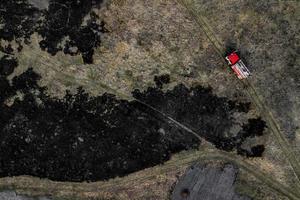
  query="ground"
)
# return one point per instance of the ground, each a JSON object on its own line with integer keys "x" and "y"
{"x": 117, "y": 99}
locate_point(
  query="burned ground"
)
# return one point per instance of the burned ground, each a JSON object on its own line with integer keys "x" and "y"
{"x": 64, "y": 19}
{"x": 60, "y": 26}
{"x": 93, "y": 138}
{"x": 208, "y": 115}
{"x": 81, "y": 138}
{"x": 18, "y": 20}
{"x": 7, "y": 66}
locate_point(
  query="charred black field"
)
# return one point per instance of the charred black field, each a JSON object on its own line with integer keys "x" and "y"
{"x": 85, "y": 138}
{"x": 60, "y": 26}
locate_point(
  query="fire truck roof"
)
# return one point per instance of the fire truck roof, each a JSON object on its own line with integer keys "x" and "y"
{"x": 233, "y": 58}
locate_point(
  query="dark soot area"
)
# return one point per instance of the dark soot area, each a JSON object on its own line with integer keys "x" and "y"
{"x": 18, "y": 18}
{"x": 62, "y": 20}
{"x": 94, "y": 138}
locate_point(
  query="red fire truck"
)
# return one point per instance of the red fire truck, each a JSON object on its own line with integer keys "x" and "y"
{"x": 237, "y": 65}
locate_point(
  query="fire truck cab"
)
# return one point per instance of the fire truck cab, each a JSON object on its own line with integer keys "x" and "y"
{"x": 237, "y": 65}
